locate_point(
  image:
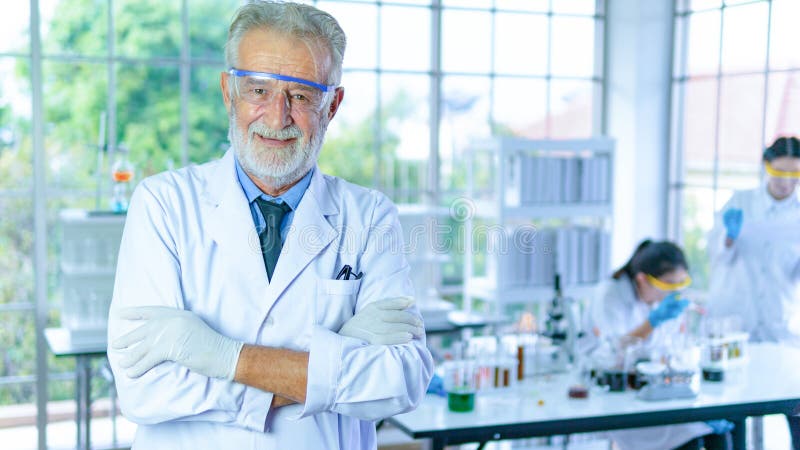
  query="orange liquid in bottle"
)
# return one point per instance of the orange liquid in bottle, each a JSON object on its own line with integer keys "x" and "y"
{"x": 122, "y": 176}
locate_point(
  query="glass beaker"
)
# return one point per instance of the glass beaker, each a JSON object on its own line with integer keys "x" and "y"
{"x": 621, "y": 361}
{"x": 505, "y": 372}
{"x": 598, "y": 360}
{"x": 714, "y": 359}
{"x": 634, "y": 352}
{"x": 521, "y": 347}
{"x": 460, "y": 383}
{"x": 582, "y": 379}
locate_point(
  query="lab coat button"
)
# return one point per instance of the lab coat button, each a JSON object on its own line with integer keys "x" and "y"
{"x": 270, "y": 321}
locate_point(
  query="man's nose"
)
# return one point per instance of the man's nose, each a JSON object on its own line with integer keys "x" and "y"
{"x": 277, "y": 112}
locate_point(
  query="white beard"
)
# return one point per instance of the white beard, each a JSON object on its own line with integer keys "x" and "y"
{"x": 276, "y": 167}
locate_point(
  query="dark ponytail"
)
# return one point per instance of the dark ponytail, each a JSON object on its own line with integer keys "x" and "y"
{"x": 653, "y": 258}
{"x": 783, "y": 146}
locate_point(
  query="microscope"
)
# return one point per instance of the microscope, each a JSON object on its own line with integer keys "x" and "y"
{"x": 562, "y": 327}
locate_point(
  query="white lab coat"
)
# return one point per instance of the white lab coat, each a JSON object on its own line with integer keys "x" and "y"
{"x": 616, "y": 311}
{"x": 190, "y": 242}
{"x": 757, "y": 278}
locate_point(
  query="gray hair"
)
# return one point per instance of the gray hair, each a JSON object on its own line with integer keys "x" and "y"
{"x": 302, "y": 21}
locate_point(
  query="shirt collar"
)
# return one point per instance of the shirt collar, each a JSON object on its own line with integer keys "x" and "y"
{"x": 292, "y": 197}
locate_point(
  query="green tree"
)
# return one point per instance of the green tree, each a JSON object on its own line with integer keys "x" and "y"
{"x": 75, "y": 94}
{"x": 17, "y": 333}
{"x": 147, "y": 93}
{"x": 351, "y": 153}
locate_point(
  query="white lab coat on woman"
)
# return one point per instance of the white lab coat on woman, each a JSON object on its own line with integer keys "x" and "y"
{"x": 616, "y": 311}
{"x": 757, "y": 278}
{"x": 190, "y": 243}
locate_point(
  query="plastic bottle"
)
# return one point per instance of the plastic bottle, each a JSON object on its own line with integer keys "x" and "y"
{"x": 122, "y": 179}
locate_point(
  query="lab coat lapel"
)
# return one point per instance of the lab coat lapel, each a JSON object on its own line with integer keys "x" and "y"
{"x": 308, "y": 236}
{"x": 230, "y": 224}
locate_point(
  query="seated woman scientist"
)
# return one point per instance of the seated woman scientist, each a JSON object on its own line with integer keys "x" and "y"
{"x": 641, "y": 299}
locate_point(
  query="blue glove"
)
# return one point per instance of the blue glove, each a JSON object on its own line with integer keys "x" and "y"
{"x": 671, "y": 307}
{"x": 721, "y": 426}
{"x": 732, "y": 219}
{"x": 436, "y": 386}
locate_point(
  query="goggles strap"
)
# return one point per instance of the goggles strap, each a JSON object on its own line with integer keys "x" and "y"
{"x": 275, "y": 76}
{"x": 664, "y": 286}
{"x": 773, "y": 172}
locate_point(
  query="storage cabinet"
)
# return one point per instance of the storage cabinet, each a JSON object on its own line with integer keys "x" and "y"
{"x": 537, "y": 208}
{"x": 89, "y": 248}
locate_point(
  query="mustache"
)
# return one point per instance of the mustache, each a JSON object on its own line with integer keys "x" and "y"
{"x": 290, "y": 132}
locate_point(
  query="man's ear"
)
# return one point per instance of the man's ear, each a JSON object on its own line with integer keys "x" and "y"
{"x": 224, "y": 79}
{"x": 338, "y": 96}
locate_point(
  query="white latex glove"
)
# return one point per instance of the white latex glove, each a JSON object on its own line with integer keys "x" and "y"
{"x": 169, "y": 334}
{"x": 384, "y": 322}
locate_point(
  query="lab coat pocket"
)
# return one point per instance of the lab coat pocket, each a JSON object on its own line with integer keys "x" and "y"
{"x": 335, "y": 302}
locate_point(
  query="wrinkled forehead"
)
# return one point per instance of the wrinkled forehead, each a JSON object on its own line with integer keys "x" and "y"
{"x": 272, "y": 51}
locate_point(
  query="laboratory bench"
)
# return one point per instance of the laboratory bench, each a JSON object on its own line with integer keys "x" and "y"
{"x": 63, "y": 343}
{"x": 766, "y": 383}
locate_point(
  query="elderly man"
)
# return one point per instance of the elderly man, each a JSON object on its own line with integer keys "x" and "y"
{"x": 258, "y": 302}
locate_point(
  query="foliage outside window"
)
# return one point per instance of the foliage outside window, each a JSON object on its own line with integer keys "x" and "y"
{"x": 734, "y": 93}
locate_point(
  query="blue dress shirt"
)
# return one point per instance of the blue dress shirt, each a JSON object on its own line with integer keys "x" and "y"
{"x": 292, "y": 198}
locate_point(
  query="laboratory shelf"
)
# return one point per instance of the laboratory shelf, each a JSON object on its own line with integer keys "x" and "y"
{"x": 564, "y": 188}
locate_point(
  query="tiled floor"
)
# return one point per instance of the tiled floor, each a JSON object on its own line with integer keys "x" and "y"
{"x": 61, "y": 436}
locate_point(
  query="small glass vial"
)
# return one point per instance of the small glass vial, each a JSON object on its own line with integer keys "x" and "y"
{"x": 122, "y": 179}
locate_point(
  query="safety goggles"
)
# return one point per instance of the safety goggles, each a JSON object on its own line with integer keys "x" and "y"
{"x": 669, "y": 287}
{"x": 775, "y": 173}
{"x": 261, "y": 88}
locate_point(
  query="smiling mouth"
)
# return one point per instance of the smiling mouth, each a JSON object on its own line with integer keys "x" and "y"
{"x": 273, "y": 141}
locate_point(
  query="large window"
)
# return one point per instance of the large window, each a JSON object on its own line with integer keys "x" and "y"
{"x": 422, "y": 78}
{"x": 734, "y": 92}
{"x": 470, "y": 69}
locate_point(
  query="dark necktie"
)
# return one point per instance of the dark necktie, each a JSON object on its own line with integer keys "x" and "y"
{"x": 270, "y": 237}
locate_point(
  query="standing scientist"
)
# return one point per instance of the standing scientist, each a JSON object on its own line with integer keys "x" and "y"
{"x": 259, "y": 303}
{"x": 754, "y": 250}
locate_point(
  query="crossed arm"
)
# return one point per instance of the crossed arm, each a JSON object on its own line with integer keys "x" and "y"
{"x": 169, "y": 334}
{"x": 282, "y": 372}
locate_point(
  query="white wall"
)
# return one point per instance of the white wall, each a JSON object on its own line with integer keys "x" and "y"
{"x": 638, "y": 71}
